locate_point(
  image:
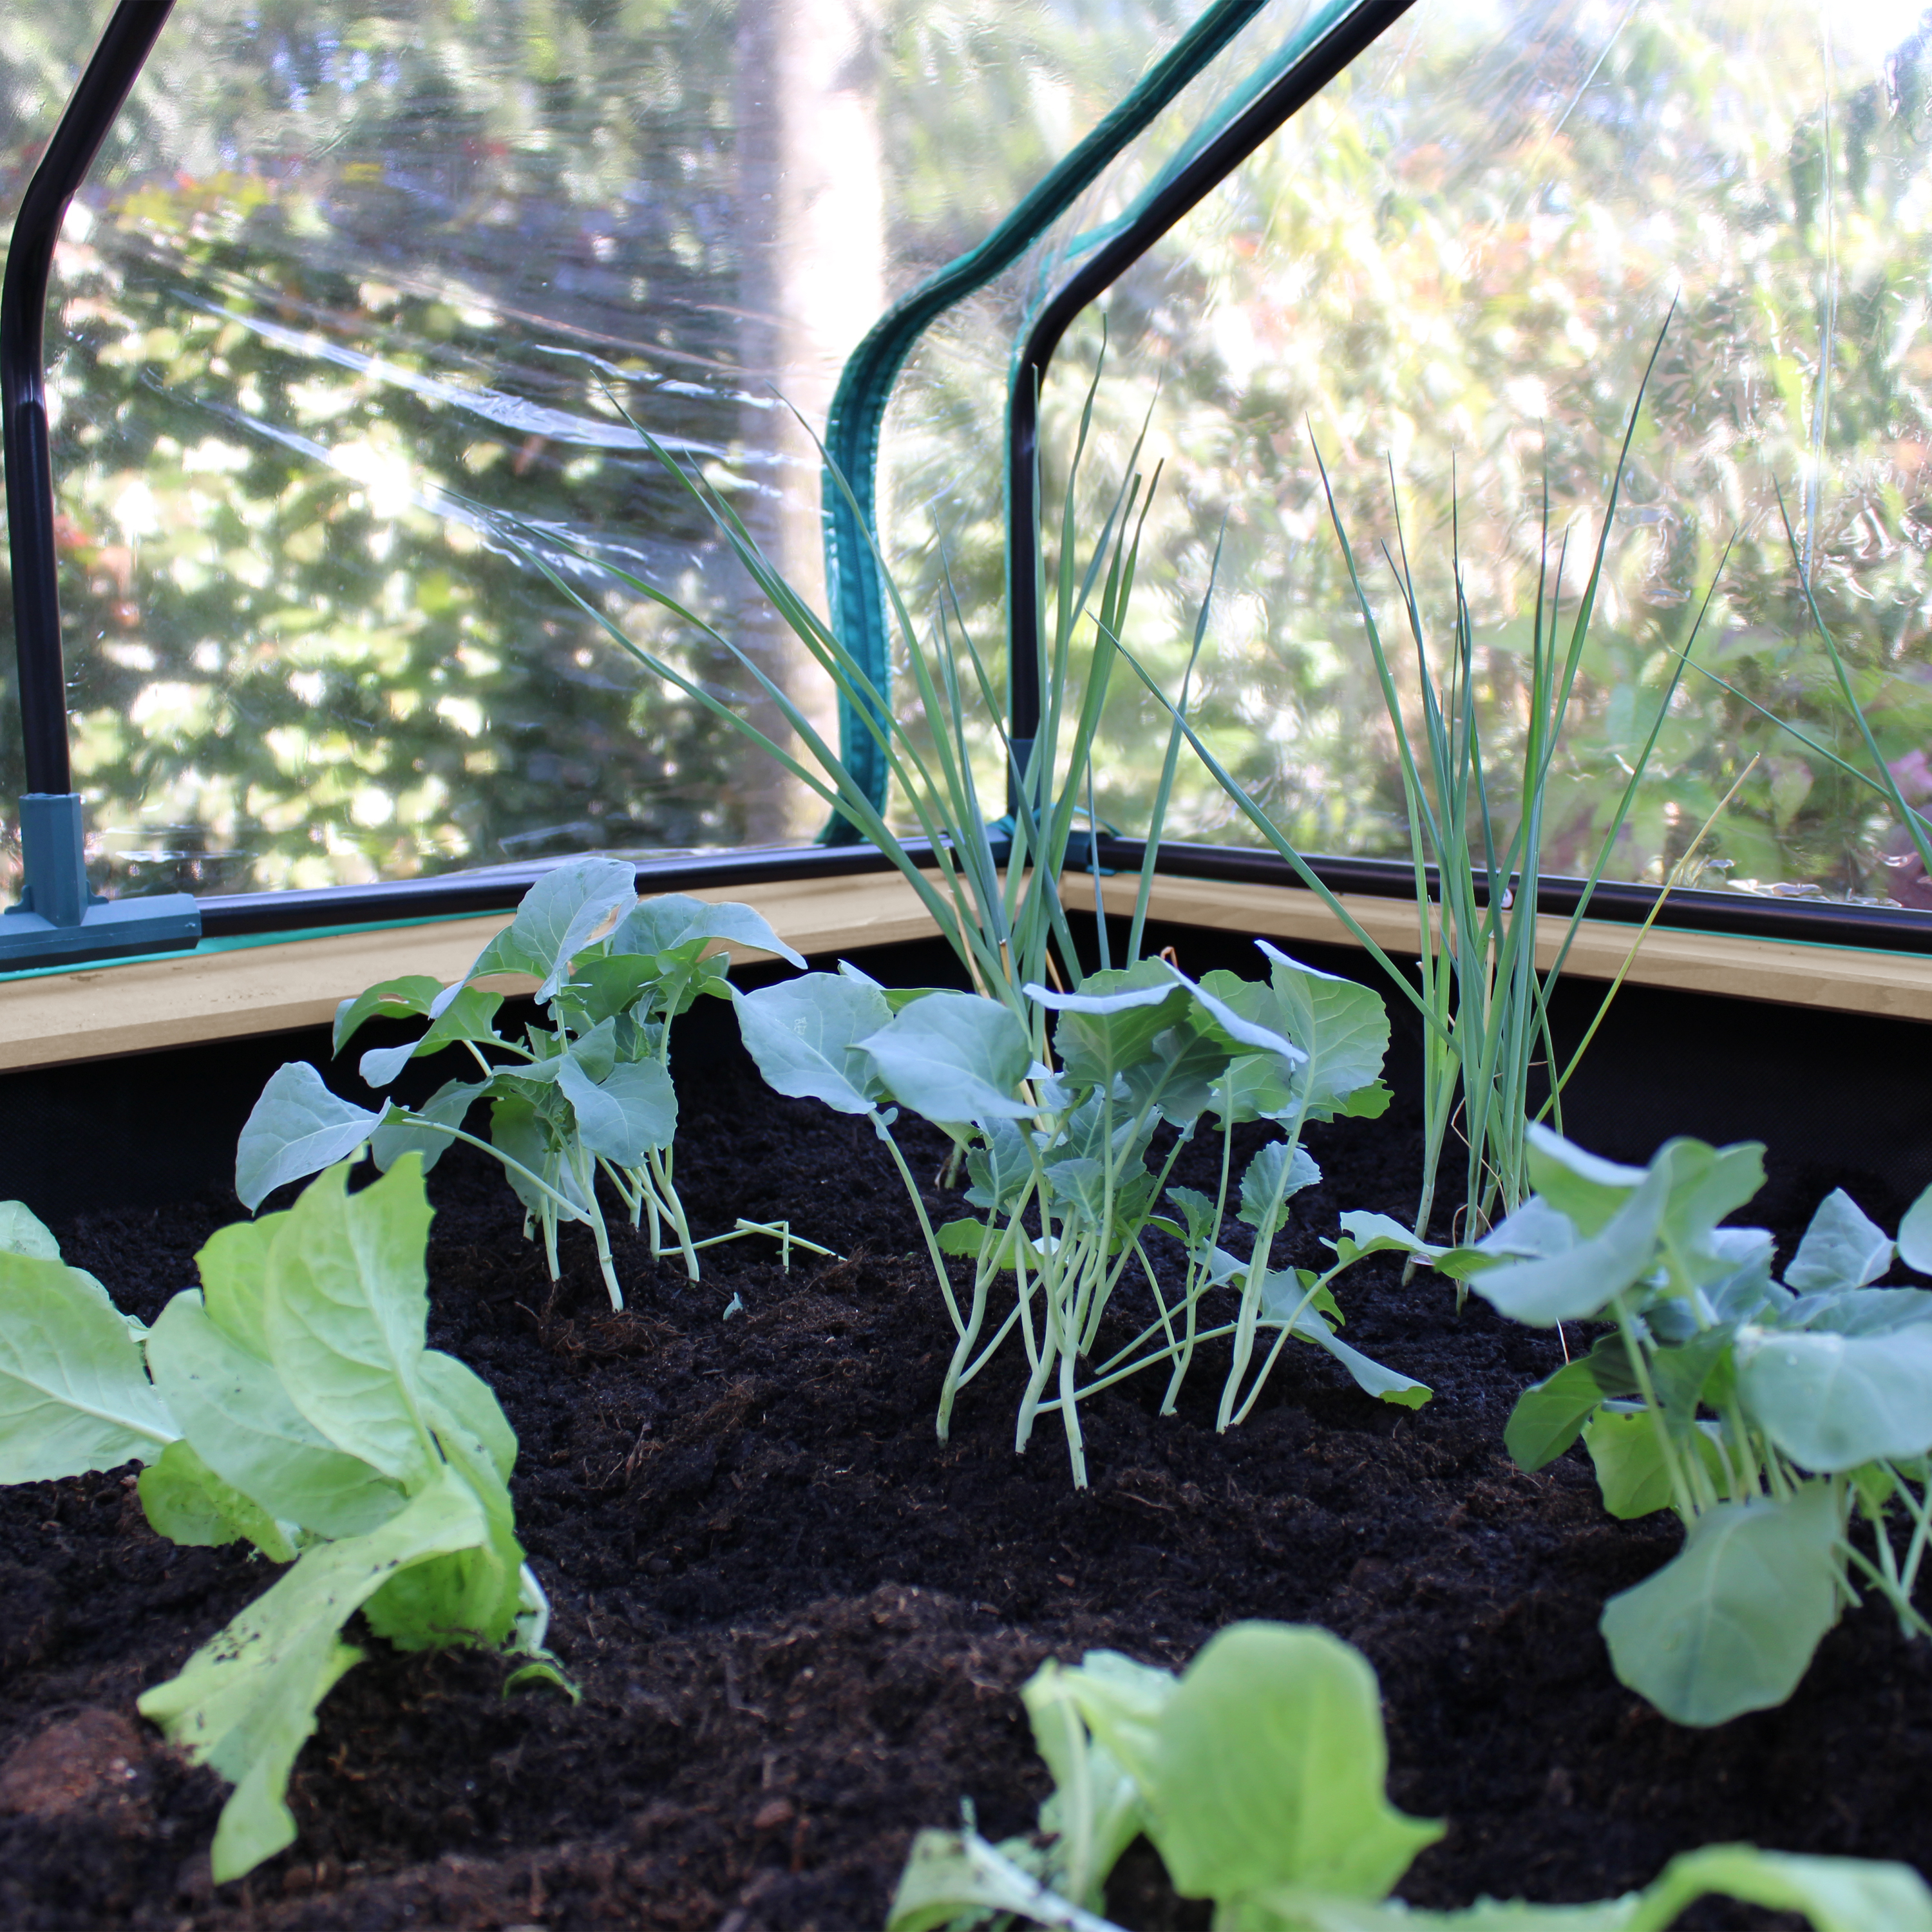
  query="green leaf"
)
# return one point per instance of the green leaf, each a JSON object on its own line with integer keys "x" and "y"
{"x": 1730, "y": 1624}
{"x": 630, "y": 1110}
{"x": 415, "y": 1131}
{"x": 389, "y": 999}
{"x": 74, "y": 1394}
{"x": 188, "y": 1503}
{"x": 1707, "y": 1183}
{"x": 245, "y": 1703}
{"x": 560, "y": 912}
{"x": 804, "y": 1036}
{"x": 1344, "y": 1029}
{"x": 1121, "y": 1702}
{"x": 1836, "y": 1894}
{"x": 1254, "y": 1037}
{"x": 1831, "y": 1402}
{"x": 957, "y": 1875}
{"x": 1631, "y": 1472}
{"x": 1385, "y": 1385}
{"x": 23, "y": 1232}
{"x": 517, "y": 1129}
{"x": 235, "y": 1410}
{"x": 1271, "y": 1170}
{"x": 1915, "y": 1235}
{"x": 297, "y": 1127}
{"x": 673, "y": 921}
{"x": 457, "y": 1388}
{"x": 954, "y": 1057}
{"x": 999, "y": 1166}
{"x": 1588, "y": 1189}
{"x": 1843, "y": 1248}
{"x": 1096, "y": 1811}
{"x": 602, "y": 988}
{"x": 346, "y": 1305}
{"x": 1549, "y": 1415}
{"x": 1110, "y": 1024}
{"x": 470, "y": 1015}
{"x": 1580, "y": 1283}
{"x": 233, "y": 1264}
{"x": 1180, "y": 1074}
{"x": 1268, "y": 1768}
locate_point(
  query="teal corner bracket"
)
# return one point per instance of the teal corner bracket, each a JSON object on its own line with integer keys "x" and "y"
{"x": 854, "y": 586}
{"x": 58, "y": 919}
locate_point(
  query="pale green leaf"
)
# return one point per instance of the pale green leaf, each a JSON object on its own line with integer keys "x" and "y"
{"x": 1915, "y": 1235}
{"x": 1585, "y": 1187}
{"x": 245, "y": 1703}
{"x": 188, "y": 1503}
{"x": 297, "y": 1127}
{"x": 630, "y": 1110}
{"x": 23, "y": 1232}
{"x": 234, "y": 1408}
{"x": 1832, "y": 1401}
{"x": 459, "y": 1390}
{"x": 1343, "y": 1027}
{"x": 1843, "y": 1248}
{"x": 1581, "y": 1282}
{"x": 1269, "y": 1763}
{"x": 804, "y": 1036}
{"x": 955, "y": 1057}
{"x": 74, "y": 1394}
{"x": 346, "y": 1307}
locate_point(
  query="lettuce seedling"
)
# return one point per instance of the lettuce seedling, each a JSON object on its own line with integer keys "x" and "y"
{"x": 1059, "y": 1161}
{"x": 591, "y": 1092}
{"x": 290, "y": 1402}
{"x": 1258, "y": 1775}
{"x": 1765, "y": 1413}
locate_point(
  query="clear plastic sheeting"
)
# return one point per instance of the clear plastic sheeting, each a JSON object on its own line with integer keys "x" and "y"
{"x": 1448, "y": 275}
{"x": 354, "y": 286}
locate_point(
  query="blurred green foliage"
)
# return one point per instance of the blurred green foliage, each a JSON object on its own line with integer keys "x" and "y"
{"x": 355, "y": 283}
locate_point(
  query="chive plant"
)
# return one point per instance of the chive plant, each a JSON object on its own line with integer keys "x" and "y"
{"x": 993, "y": 889}
{"x": 1477, "y": 986}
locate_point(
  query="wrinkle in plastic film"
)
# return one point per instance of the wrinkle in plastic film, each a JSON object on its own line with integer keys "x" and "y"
{"x": 1449, "y": 272}
{"x": 352, "y": 287}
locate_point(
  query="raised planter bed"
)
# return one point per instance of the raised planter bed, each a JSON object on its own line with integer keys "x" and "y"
{"x": 798, "y": 1621}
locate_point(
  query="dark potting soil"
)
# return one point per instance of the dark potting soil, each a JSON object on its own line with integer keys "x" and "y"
{"x": 800, "y": 1621}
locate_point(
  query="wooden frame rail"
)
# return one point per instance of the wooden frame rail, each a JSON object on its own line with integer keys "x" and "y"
{"x": 104, "y": 1012}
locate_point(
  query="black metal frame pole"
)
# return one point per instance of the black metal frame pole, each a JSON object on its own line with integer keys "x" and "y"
{"x": 1264, "y": 116}
{"x": 123, "y": 51}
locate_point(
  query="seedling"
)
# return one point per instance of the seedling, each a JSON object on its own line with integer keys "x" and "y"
{"x": 1766, "y": 1414}
{"x": 289, "y": 1401}
{"x": 1258, "y": 1775}
{"x": 1059, "y": 1160}
{"x": 591, "y": 1093}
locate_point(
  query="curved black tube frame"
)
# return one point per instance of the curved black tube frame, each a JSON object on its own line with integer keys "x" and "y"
{"x": 117, "y": 61}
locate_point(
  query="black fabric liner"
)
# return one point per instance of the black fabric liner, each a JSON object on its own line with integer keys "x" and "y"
{"x": 1848, "y": 1094}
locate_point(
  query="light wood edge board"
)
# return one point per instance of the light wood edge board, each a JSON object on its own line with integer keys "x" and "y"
{"x": 190, "y": 997}
{"x": 180, "y": 1000}
{"x": 1845, "y": 979}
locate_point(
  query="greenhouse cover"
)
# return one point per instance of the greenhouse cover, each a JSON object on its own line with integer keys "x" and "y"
{"x": 356, "y": 293}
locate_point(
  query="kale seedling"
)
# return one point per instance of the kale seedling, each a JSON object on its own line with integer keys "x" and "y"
{"x": 591, "y": 1092}
{"x": 1766, "y": 1414}
{"x": 1259, "y": 1776}
{"x": 1059, "y": 1160}
{"x": 290, "y": 1402}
